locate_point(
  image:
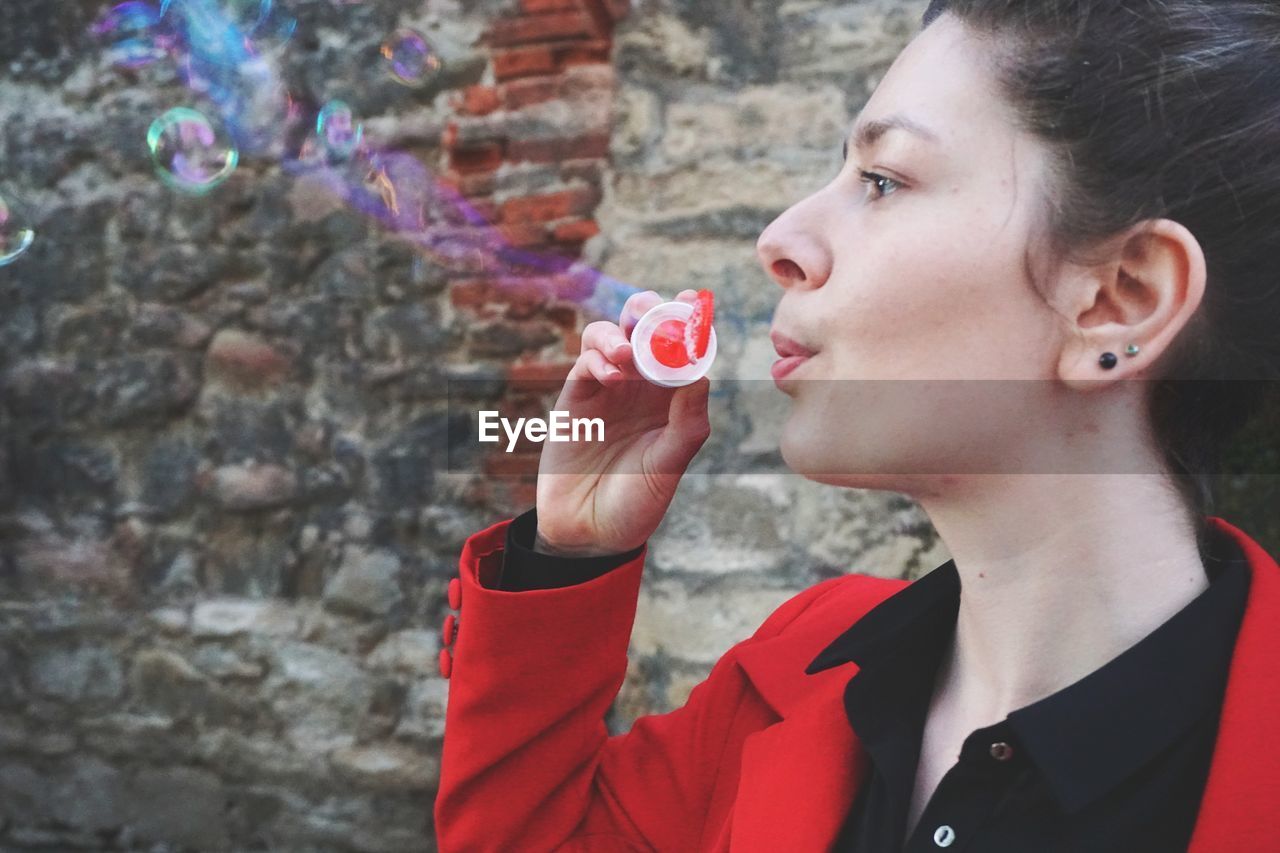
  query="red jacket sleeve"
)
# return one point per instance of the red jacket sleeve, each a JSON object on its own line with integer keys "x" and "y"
{"x": 528, "y": 763}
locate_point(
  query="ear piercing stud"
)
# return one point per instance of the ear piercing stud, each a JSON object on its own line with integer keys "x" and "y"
{"x": 1109, "y": 360}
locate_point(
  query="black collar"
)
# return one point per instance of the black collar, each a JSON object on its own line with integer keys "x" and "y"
{"x": 1087, "y": 737}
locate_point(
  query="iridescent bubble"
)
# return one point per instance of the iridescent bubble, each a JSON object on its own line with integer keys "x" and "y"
{"x": 264, "y": 22}
{"x": 411, "y": 59}
{"x": 132, "y": 34}
{"x": 15, "y": 235}
{"x": 254, "y": 105}
{"x": 339, "y": 132}
{"x": 189, "y": 153}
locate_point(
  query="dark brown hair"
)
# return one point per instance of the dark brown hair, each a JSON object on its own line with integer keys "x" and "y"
{"x": 1162, "y": 109}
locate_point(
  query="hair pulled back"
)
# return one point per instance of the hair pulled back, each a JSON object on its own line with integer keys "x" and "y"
{"x": 1162, "y": 109}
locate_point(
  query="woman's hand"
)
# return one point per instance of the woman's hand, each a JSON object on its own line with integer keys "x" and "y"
{"x": 607, "y": 497}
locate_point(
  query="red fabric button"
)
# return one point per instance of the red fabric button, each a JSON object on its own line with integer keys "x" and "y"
{"x": 450, "y": 624}
{"x": 446, "y": 663}
{"x": 455, "y": 594}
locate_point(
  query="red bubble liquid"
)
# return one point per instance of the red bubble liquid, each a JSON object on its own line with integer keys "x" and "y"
{"x": 667, "y": 344}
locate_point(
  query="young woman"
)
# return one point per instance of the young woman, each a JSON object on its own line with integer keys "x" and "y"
{"x": 1080, "y": 193}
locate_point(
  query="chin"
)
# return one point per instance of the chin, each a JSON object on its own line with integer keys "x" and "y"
{"x": 824, "y": 458}
{"x": 810, "y": 455}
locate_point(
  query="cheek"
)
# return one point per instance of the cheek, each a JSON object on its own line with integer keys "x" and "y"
{"x": 944, "y": 308}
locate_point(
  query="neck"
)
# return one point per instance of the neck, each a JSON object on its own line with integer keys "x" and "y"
{"x": 1079, "y": 569}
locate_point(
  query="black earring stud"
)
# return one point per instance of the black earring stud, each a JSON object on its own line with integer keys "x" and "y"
{"x": 1108, "y": 360}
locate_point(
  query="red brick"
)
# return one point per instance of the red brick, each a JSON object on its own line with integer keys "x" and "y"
{"x": 534, "y": 7}
{"x": 588, "y": 54}
{"x": 482, "y": 158}
{"x": 522, "y": 295}
{"x": 471, "y": 184}
{"x": 549, "y": 58}
{"x": 479, "y": 100}
{"x": 503, "y": 464}
{"x": 556, "y": 150}
{"x": 545, "y": 208}
{"x": 578, "y": 231}
{"x": 472, "y": 293}
{"x": 485, "y": 207}
{"x": 519, "y": 94}
{"x": 535, "y": 29}
{"x": 564, "y": 316}
{"x": 591, "y": 170}
{"x": 572, "y": 343}
{"x": 509, "y": 64}
{"x": 538, "y": 376}
{"x": 522, "y": 235}
{"x": 601, "y": 14}
{"x": 617, "y": 9}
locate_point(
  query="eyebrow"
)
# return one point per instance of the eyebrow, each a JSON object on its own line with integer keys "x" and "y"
{"x": 868, "y": 133}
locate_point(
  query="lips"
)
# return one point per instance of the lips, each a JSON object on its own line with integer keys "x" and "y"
{"x": 788, "y": 348}
{"x": 792, "y": 355}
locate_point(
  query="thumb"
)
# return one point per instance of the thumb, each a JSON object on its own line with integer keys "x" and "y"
{"x": 688, "y": 427}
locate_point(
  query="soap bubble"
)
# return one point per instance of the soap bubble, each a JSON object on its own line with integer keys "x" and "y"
{"x": 15, "y": 236}
{"x": 411, "y": 59}
{"x": 210, "y": 35}
{"x": 190, "y": 155}
{"x": 264, "y": 22}
{"x": 254, "y": 105}
{"x": 338, "y": 130}
{"x": 132, "y": 34}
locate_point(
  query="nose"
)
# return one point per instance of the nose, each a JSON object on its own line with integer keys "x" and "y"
{"x": 794, "y": 249}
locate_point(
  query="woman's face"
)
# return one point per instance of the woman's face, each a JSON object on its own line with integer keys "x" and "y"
{"x": 920, "y": 275}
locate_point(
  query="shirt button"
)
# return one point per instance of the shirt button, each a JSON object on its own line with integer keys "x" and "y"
{"x": 447, "y": 631}
{"x": 455, "y": 594}
{"x": 1001, "y": 751}
{"x": 943, "y": 836}
{"x": 446, "y": 663}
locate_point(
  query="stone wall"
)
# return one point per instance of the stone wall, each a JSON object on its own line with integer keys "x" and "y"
{"x": 226, "y": 523}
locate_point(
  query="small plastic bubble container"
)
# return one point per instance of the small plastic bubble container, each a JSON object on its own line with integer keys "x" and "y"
{"x": 658, "y": 344}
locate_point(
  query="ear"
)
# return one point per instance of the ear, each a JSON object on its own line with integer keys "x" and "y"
{"x": 1144, "y": 293}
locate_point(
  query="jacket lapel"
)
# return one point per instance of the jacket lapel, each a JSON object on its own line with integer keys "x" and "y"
{"x": 1236, "y": 814}
{"x": 799, "y": 776}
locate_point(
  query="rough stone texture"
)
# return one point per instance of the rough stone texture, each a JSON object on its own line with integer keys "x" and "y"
{"x": 233, "y": 481}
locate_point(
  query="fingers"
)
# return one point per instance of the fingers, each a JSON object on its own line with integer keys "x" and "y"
{"x": 636, "y": 306}
{"x": 605, "y": 358}
{"x": 600, "y": 368}
{"x": 607, "y": 339}
{"x": 687, "y": 296}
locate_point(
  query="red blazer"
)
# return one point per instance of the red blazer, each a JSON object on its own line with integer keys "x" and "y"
{"x": 761, "y": 757}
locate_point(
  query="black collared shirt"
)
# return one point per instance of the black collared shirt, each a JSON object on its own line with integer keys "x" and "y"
{"x": 1114, "y": 763}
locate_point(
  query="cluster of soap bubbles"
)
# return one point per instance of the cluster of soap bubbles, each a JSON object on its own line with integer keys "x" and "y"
{"x": 223, "y": 50}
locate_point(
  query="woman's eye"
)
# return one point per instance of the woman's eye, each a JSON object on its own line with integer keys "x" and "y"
{"x": 879, "y": 182}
